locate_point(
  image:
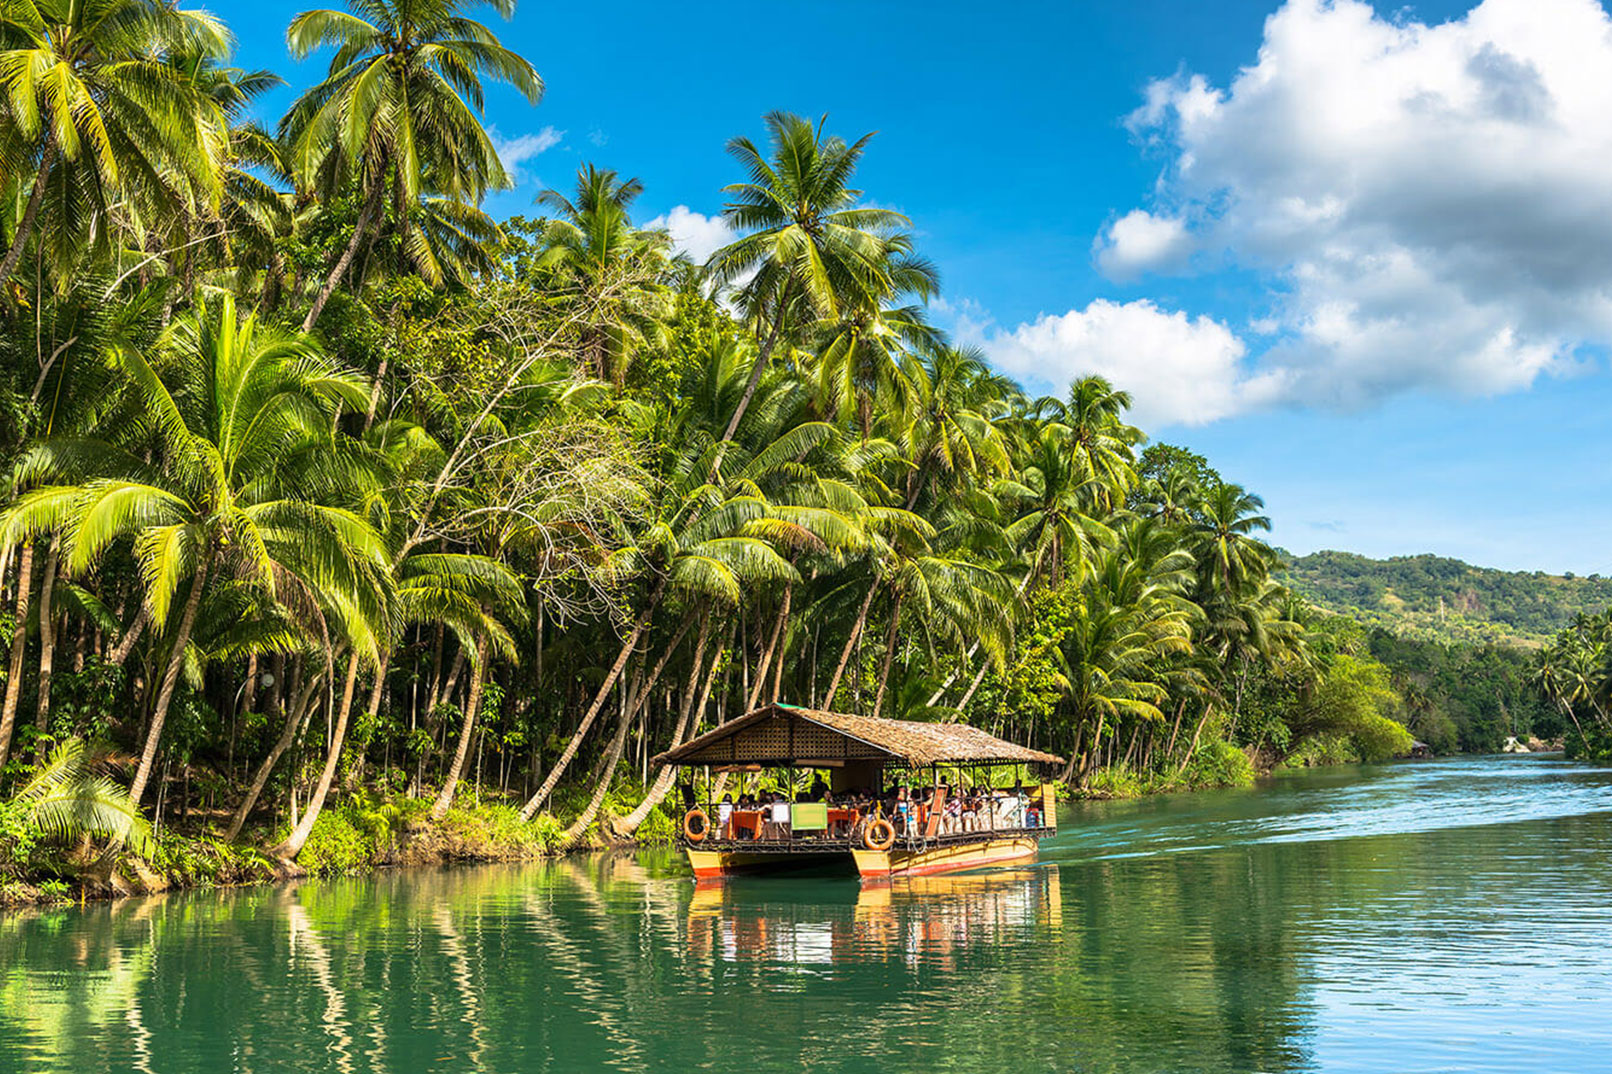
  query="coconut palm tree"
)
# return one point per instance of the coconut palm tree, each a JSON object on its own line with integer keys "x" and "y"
{"x": 609, "y": 267}
{"x": 809, "y": 245}
{"x": 86, "y": 104}
{"x": 231, "y": 407}
{"x": 399, "y": 112}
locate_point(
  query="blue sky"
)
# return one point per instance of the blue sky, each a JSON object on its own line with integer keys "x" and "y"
{"x": 1353, "y": 255}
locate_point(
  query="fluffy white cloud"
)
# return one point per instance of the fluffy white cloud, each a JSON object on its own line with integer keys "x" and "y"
{"x": 1141, "y": 242}
{"x": 521, "y": 150}
{"x": 1179, "y": 369}
{"x": 1432, "y": 201}
{"x": 694, "y": 233}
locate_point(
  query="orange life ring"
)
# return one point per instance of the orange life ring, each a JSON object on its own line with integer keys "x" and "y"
{"x": 880, "y": 835}
{"x": 696, "y": 833}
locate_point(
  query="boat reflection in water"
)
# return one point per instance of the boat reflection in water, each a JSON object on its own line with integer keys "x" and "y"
{"x": 934, "y": 921}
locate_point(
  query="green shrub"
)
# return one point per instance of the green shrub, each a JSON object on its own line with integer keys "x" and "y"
{"x": 336, "y": 845}
{"x": 1117, "y": 781}
{"x": 1219, "y": 764}
{"x": 55, "y": 889}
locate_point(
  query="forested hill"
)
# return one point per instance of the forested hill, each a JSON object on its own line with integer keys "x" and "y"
{"x": 1434, "y": 598}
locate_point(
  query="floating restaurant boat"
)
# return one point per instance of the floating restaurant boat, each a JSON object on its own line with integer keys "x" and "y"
{"x": 917, "y": 839}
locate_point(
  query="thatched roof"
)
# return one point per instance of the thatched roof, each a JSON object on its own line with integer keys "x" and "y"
{"x": 786, "y": 735}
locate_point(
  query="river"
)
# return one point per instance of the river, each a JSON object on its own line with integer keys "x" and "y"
{"x": 1447, "y": 915}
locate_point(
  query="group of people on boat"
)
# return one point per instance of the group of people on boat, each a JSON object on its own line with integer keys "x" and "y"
{"x": 908, "y": 810}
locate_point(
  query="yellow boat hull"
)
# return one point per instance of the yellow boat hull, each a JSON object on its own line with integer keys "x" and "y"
{"x": 871, "y": 864}
{"x": 897, "y": 862}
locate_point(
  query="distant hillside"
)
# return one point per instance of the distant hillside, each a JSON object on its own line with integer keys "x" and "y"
{"x": 1437, "y": 599}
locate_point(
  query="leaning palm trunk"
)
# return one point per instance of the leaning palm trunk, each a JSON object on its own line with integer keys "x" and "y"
{"x": 478, "y": 676}
{"x": 295, "y": 715}
{"x": 36, "y": 198}
{"x": 760, "y": 683}
{"x": 170, "y": 679}
{"x": 360, "y": 229}
{"x": 292, "y": 845}
{"x": 607, "y": 766}
{"x": 850, "y": 645}
{"x": 19, "y": 645}
{"x": 1193, "y": 746}
{"x": 663, "y": 778}
{"x": 47, "y": 648}
{"x": 889, "y": 655}
{"x": 574, "y": 833}
{"x": 534, "y": 803}
{"x": 126, "y": 644}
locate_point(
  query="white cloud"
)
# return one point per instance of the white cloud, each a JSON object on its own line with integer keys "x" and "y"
{"x": 1140, "y": 242}
{"x": 1179, "y": 369}
{"x": 694, "y": 233}
{"x": 1431, "y": 202}
{"x": 521, "y": 150}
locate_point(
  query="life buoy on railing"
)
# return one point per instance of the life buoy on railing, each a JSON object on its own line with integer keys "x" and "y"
{"x": 880, "y": 835}
{"x": 696, "y": 826}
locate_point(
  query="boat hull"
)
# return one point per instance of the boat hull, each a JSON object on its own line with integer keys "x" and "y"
{"x": 709, "y": 864}
{"x": 897, "y": 862}
{"x": 870, "y": 864}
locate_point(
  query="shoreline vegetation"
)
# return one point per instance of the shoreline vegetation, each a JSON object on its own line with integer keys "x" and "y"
{"x": 334, "y": 504}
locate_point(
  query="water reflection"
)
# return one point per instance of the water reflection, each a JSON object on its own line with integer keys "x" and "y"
{"x": 1222, "y": 944}
{"x": 928, "y": 922}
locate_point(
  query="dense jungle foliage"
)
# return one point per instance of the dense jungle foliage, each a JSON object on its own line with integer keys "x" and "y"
{"x": 342, "y": 517}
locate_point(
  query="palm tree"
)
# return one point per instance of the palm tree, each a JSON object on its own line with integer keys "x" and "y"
{"x": 229, "y": 406}
{"x": 1103, "y": 442}
{"x": 610, "y": 266}
{"x": 1228, "y": 552}
{"x": 67, "y": 800}
{"x": 399, "y": 107}
{"x": 809, "y": 246}
{"x": 86, "y": 100}
{"x": 1130, "y": 622}
{"x": 1056, "y": 524}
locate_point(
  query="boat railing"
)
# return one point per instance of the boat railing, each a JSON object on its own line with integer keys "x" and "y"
{"x": 846, "y": 826}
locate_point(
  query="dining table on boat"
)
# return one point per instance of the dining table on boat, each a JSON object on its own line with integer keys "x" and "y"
{"x": 847, "y": 817}
{"x": 747, "y": 820}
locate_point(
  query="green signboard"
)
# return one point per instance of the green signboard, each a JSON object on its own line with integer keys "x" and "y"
{"x": 808, "y": 816}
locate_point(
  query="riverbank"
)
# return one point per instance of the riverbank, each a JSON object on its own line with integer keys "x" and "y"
{"x": 355, "y": 837}
{"x": 367, "y": 833}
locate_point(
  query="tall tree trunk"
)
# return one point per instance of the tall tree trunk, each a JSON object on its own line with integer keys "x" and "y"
{"x": 889, "y": 654}
{"x": 850, "y": 644}
{"x": 536, "y": 801}
{"x": 783, "y": 644}
{"x": 606, "y": 777}
{"x": 47, "y": 645}
{"x": 760, "y": 683}
{"x": 756, "y": 373}
{"x": 359, "y": 230}
{"x": 637, "y": 699}
{"x": 170, "y": 679}
{"x": 450, "y": 782}
{"x": 125, "y": 646}
{"x": 296, "y": 713}
{"x": 667, "y": 773}
{"x": 1193, "y": 746}
{"x": 25, "y": 226}
{"x": 19, "y": 647}
{"x": 292, "y": 846}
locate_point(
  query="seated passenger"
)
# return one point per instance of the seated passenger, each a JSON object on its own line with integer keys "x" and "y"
{"x": 724, "y": 817}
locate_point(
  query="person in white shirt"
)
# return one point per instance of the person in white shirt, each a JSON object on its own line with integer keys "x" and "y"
{"x": 724, "y": 814}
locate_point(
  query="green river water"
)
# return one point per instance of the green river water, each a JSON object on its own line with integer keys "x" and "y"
{"x": 1451, "y": 915}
